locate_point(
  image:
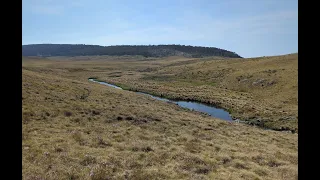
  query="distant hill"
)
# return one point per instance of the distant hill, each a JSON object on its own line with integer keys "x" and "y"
{"x": 144, "y": 50}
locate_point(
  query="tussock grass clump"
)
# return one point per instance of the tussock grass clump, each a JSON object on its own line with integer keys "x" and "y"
{"x": 87, "y": 160}
{"x": 102, "y": 172}
{"x": 100, "y": 142}
{"x": 78, "y": 137}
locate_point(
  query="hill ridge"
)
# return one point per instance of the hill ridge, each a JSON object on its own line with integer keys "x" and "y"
{"x": 118, "y": 50}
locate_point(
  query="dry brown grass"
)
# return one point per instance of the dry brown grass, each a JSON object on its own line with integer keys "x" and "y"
{"x": 262, "y": 91}
{"x": 115, "y": 134}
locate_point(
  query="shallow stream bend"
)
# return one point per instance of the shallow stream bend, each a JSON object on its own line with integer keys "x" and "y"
{"x": 200, "y": 107}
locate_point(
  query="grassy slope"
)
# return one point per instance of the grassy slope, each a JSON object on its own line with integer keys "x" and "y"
{"x": 256, "y": 89}
{"x": 234, "y": 85}
{"x": 75, "y": 129}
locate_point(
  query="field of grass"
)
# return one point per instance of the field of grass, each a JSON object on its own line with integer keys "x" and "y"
{"x": 76, "y": 129}
{"x": 261, "y": 91}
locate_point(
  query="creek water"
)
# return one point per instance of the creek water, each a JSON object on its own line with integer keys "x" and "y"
{"x": 196, "y": 106}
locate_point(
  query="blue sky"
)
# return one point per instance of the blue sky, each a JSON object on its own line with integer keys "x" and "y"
{"x": 250, "y": 28}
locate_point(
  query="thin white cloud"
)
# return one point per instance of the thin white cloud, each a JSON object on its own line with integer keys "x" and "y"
{"x": 204, "y": 29}
{"x": 50, "y": 7}
{"x": 77, "y": 3}
{"x": 45, "y": 9}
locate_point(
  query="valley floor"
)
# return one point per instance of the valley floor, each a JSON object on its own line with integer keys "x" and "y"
{"x": 76, "y": 129}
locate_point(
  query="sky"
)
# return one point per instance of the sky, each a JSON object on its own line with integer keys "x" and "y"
{"x": 251, "y": 28}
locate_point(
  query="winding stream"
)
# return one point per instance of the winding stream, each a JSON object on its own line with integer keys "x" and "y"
{"x": 210, "y": 110}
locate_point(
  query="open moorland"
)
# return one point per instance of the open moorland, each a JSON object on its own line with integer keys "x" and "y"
{"x": 260, "y": 91}
{"x": 76, "y": 129}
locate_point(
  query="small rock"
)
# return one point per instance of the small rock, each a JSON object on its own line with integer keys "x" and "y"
{"x": 91, "y": 173}
{"x": 243, "y": 80}
{"x": 259, "y": 81}
{"x": 271, "y": 83}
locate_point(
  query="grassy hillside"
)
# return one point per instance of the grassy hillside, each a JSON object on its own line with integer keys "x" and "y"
{"x": 76, "y": 129}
